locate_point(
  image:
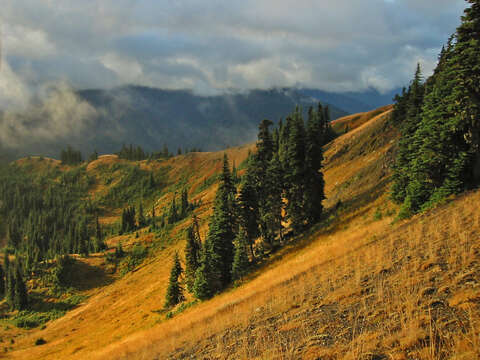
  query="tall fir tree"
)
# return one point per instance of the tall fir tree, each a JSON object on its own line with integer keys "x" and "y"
{"x": 241, "y": 263}
{"x": 174, "y": 294}
{"x": 296, "y": 173}
{"x": 20, "y": 300}
{"x": 203, "y": 285}
{"x": 317, "y": 136}
{"x": 2, "y": 282}
{"x": 248, "y": 206}
{"x": 193, "y": 249}
{"x": 222, "y": 231}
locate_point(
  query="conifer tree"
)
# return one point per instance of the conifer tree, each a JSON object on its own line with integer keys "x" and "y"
{"x": 20, "y": 300}
{"x": 222, "y": 230}
{"x": 248, "y": 206}
{"x": 10, "y": 290}
{"x": 440, "y": 155}
{"x": 411, "y": 105}
{"x": 240, "y": 261}
{"x": 184, "y": 205}
{"x": 153, "y": 220}
{"x": 274, "y": 201}
{"x": 317, "y": 135}
{"x": 296, "y": 173}
{"x": 193, "y": 250}
{"x": 174, "y": 294}
{"x": 141, "y": 217}
{"x": 2, "y": 282}
{"x": 202, "y": 287}
{"x": 172, "y": 213}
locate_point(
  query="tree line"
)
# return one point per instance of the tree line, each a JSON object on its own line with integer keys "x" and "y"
{"x": 439, "y": 120}
{"x": 281, "y": 190}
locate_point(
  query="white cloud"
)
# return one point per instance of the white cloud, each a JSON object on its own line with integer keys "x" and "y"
{"x": 211, "y": 45}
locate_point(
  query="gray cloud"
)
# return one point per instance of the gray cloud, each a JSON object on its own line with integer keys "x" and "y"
{"x": 210, "y": 46}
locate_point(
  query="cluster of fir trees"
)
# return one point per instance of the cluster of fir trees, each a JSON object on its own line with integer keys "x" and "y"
{"x": 133, "y": 220}
{"x": 12, "y": 284}
{"x": 131, "y": 152}
{"x": 286, "y": 166}
{"x": 43, "y": 219}
{"x": 70, "y": 156}
{"x": 439, "y": 120}
{"x": 177, "y": 213}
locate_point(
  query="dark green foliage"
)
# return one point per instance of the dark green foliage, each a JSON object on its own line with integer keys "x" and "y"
{"x": 174, "y": 294}
{"x": 317, "y": 136}
{"x": 40, "y": 341}
{"x": 193, "y": 249}
{"x": 296, "y": 175}
{"x": 135, "y": 153}
{"x": 128, "y": 220}
{"x": 439, "y": 150}
{"x": 241, "y": 263}
{"x": 2, "y": 282}
{"x": 222, "y": 230}
{"x": 133, "y": 259}
{"x": 63, "y": 271}
{"x": 142, "y": 221}
{"x": 202, "y": 287}
{"x": 173, "y": 212}
{"x": 20, "y": 299}
{"x": 10, "y": 289}
{"x": 248, "y": 214}
{"x": 184, "y": 204}
{"x": 70, "y": 156}
{"x": 99, "y": 244}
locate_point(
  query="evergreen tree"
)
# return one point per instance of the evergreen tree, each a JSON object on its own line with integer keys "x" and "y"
{"x": 248, "y": 206}
{"x": 222, "y": 230}
{"x": 439, "y": 155}
{"x": 172, "y": 213}
{"x": 411, "y": 106}
{"x": 174, "y": 294}
{"x": 202, "y": 287}
{"x": 184, "y": 205}
{"x": 273, "y": 217}
{"x": 296, "y": 175}
{"x": 99, "y": 244}
{"x": 240, "y": 261}
{"x": 153, "y": 220}
{"x": 10, "y": 289}
{"x": 193, "y": 249}
{"x": 259, "y": 167}
{"x": 20, "y": 300}
{"x": 317, "y": 135}
{"x": 141, "y": 217}
{"x": 2, "y": 282}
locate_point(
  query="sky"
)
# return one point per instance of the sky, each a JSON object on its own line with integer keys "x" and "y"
{"x": 214, "y": 46}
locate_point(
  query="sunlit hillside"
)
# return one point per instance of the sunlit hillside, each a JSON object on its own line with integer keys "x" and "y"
{"x": 357, "y": 286}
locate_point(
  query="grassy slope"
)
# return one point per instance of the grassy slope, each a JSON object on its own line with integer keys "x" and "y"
{"x": 356, "y": 287}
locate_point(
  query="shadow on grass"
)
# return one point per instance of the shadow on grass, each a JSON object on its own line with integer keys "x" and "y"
{"x": 86, "y": 276}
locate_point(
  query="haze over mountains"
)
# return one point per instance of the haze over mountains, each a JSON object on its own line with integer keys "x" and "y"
{"x": 106, "y": 119}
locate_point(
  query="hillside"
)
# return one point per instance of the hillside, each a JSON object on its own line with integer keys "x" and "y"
{"x": 357, "y": 286}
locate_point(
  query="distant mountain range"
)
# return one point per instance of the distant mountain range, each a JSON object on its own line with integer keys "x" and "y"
{"x": 106, "y": 119}
{"x": 354, "y": 102}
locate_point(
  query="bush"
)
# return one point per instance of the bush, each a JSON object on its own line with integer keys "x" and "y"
{"x": 40, "y": 341}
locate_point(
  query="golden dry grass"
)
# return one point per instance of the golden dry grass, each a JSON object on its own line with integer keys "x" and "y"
{"x": 359, "y": 288}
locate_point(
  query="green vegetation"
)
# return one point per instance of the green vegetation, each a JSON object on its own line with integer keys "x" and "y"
{"x": 174, "y": 294}
{"x": 287, "y": 165}
{"x": 439, "y": 151}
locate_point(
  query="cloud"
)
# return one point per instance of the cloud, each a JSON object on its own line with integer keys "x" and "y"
{"x": 211, "y": 46}
{"x": 59, "y": 115}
